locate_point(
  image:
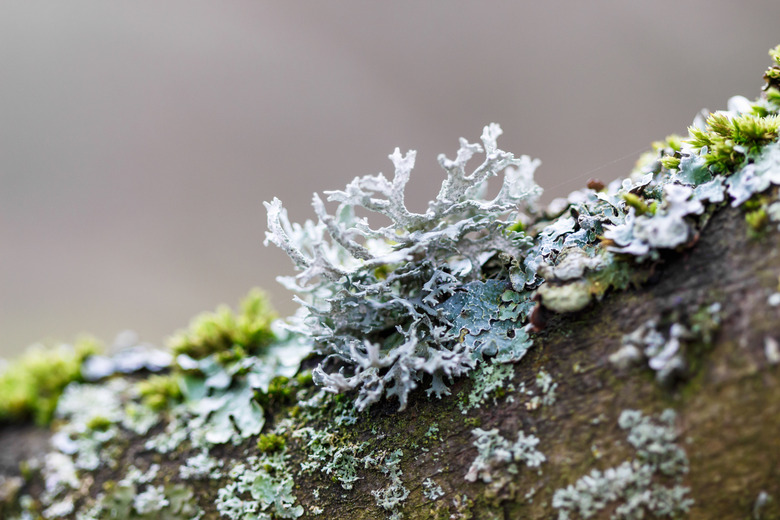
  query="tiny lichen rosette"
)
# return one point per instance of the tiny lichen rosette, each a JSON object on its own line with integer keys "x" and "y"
{"x": 372, "y": 296}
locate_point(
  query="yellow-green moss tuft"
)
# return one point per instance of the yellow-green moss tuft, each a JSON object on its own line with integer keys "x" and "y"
{"x": 31, "y": 385}
{"x": 245, "y": 332}
{"x": 729, "y": 140}
{"x": 158, "y": 392}
{"x": 270, "y": 443}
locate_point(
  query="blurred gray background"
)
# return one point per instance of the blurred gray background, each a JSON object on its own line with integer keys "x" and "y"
{"x": 139, "y": 139}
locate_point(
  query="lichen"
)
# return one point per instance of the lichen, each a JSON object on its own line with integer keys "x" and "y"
{"x": 432, "y": 490}
{"x": 201, "y": 466}
{"x": 664, "y": 348}
{"x": 339, "y": 459}
{"x": 489, "y": 378}
{"x": 494, "y": 453}
{"x": 771, "y": 350}
{"x": 128, "y": 500}
{"x": 393, "y": 495}
{"x": 128, "y": 355}
{"x": 547, "y": 387}
{"x": 260, "y": 488}
{"x": 372, "y": 294}
{"x": 647, "y": 484}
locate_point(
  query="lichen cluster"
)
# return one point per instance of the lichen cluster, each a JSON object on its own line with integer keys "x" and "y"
{"x": 664, "y": 351}
{"x": 647, "y": 484}
{"x": 375, "y": 296}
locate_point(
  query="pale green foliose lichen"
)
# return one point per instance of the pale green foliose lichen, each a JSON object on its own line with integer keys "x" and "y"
{"x": 441, "y": 291}
{"x": 393, "y": 495}
{"x": 261, "y": 488}
{"x": 432, "y": 490}
{"x": 663, "y": 348}
{"x": 498, "y": 457}
{"x": 771, "y": 350}
{"x": 341, "y": 460}
{"x": 162, "y": 502}
{"x": 547, "y": 387}
{"x": 488, "y": 379}
{"x": 649, "y": 484}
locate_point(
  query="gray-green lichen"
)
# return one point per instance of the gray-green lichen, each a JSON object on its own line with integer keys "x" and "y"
{"x": 373, "y": 296}
{"x": 260, "y": 488}
{"x": 498, "y": 457}
{"x": 664, "y": 350}
{"x": 391, "y": 497}
{"x": 647, "y": 484}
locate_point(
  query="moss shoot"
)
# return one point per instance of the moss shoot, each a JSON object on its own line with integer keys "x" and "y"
{"x": 31, "y": 385}
{"x": 223, "y": 330}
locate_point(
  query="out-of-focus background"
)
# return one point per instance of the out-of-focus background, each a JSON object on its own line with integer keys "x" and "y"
{"x": 139, "y": 139}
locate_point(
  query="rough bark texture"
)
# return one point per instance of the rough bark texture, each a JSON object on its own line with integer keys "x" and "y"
{"x": 728, "y": 408}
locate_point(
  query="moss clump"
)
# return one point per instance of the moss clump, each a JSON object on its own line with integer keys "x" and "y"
{"x": 31, "y": 385}
{"x": 472, "y": 422}
{"x": 773, "y": 100}
{"x": 757, "y": 215}
{"x": 730, "y": 140}
{"x": 757, "y": 220}
{"x": 772, "y": 74}
{"x": 281, "y": 391}
{"x": 99, "y": 423}
{"x": 247, "y": 332}
{"x": 304, "y": 379}
{"x": 270, "y": 443}
{"x": 670, "y": 162}
{"x": 158, "y": 392}
{"x": 638, "y": 203}
{"x": 666, "y": 150}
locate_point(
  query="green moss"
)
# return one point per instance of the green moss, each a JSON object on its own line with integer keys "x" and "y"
{"x": 773, "y": 97}
{"x": 304, "y": 379}
{"x": 158, "y": 392}
{"x": 382, "y": 271}
{"x": 517, "y": 227}
{"x": 636, "y": 202}
{"x": 730, "y": 140}
{"x": 775, "y": 54}
{"x": 99, "y": 423}
{"x": 281, "y": 391}
{"x": 670, "y": 162}
{"x": 247, "y": 332}
{"x": 756, "y": 215}
{"x": 772, "y": 74}
{"x": 270, "y": 443}
{"x": 473, "y": 422}
{"x": 666, "y": 148}
{"x": 31, "y": 385}
{"x": 757, "y": 220}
